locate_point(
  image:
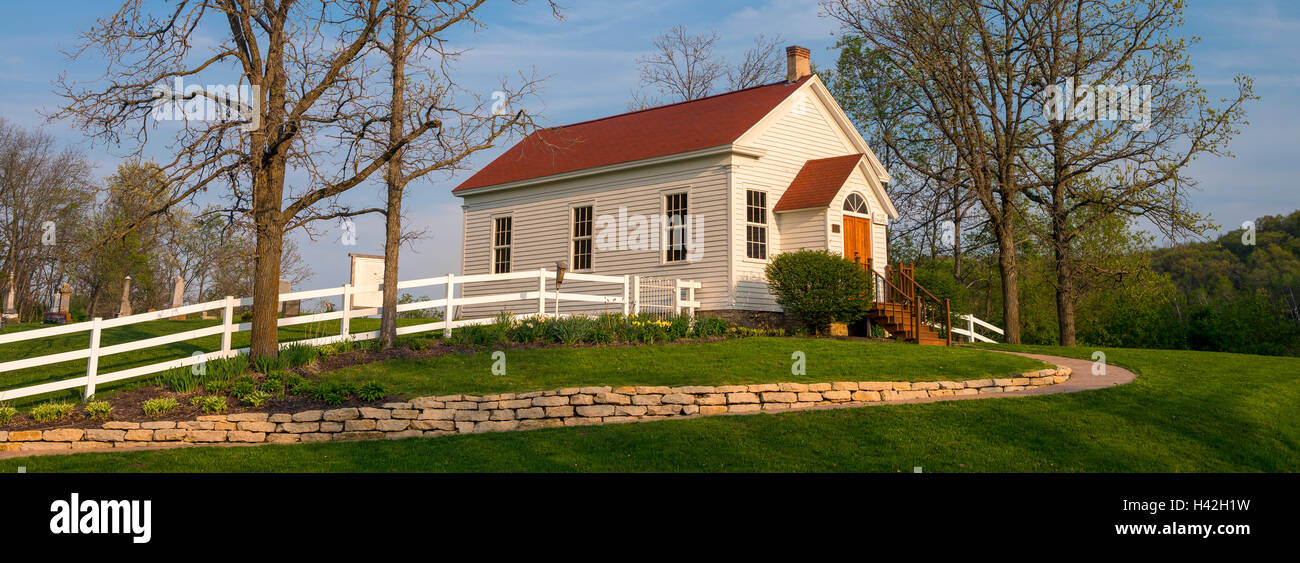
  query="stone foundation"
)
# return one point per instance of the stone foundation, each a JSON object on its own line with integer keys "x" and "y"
{"x": 467, "y": 414}
{"x": 767, "y": 320}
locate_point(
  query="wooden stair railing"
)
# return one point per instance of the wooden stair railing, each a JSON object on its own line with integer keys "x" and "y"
{"x": 898, "y": 286}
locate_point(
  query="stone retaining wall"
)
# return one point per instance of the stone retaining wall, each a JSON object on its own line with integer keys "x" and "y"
{"x": 465, "y": 414}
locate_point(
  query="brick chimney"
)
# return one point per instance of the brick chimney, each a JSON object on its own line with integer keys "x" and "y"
{"x": 797, "y": 63}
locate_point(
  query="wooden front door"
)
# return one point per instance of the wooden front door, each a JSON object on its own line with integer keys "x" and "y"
{"x": 857, "y": 239}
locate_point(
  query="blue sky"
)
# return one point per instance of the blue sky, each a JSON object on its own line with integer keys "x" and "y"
{"x": 589, "y": 59}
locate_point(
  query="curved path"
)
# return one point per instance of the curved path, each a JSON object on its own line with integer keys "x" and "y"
{"x": 1082, "y": 379}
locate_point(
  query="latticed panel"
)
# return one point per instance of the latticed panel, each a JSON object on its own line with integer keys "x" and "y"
{"x": 656, "y": 295}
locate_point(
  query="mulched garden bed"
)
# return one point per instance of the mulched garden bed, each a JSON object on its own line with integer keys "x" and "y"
{"x": 128, "y": 403}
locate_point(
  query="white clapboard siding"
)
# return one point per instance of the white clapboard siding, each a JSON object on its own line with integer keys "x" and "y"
{"x": 800, "y": 130}
{"x": 541, "y": 224}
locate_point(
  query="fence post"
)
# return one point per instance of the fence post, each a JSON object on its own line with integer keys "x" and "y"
{"x": 690, "y": 296}
{"x": 677, "y": 296}
{"x": 636, "y": 293}
{"x": 626, "y": 303}
{"x": 345, "y": 323}
{"x": 541, "y": 292}
{"x": 970, "y": 327}
{"x": 947, "y": 311}
{"x": 92, "y": 363}
{"x": 227, "y": 326}
{"x": 451, "y": 296}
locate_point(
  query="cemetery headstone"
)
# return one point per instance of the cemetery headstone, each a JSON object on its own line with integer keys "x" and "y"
{"x": 178, "y": 297}
{"x": 124, "y": 309}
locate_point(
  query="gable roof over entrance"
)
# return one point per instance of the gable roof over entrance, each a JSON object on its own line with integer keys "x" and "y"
{"x": 661, "y": 131}
{"x": 817, "y": 182}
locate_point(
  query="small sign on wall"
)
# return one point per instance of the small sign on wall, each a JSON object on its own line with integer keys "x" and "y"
{"x": 367, "y": 270}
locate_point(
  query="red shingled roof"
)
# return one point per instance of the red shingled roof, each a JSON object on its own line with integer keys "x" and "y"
{"x": 817, "y": 182}
{"x": 655, "y": 132}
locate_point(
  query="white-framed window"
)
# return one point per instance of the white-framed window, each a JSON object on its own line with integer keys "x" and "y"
{"x": 675, "y": 227}
{"x": 756, "y": 224}
{"x": 581, "y": 233}
{"x": 501, "y": 239}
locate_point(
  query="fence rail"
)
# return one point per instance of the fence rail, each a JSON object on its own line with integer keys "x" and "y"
{"x": 971, "y": 334}
{"x": 630, "y": 300}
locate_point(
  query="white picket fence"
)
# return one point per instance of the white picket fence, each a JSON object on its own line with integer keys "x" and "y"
{"x": 629, "y": 300}
{"x": 970, "y": 333}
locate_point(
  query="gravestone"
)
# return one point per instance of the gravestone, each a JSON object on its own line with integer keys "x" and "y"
{"x": 367, "y": 270}
{"x": 124, "y": 309}
{"x": 10, "y": 312}
{"x": 289, "y": 308}
{"x": 65, "y": 300}
{"x": 59, "y": 314}
{"x": 178, "y": 297}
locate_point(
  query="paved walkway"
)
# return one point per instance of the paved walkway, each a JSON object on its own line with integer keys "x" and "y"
{"x": 1082, "y": 379}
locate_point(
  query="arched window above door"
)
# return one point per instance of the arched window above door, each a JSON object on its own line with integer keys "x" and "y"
{"x": 856, "y": 204}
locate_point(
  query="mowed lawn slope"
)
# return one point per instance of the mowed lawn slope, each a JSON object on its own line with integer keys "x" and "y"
{"x": 1187, "y": 411}
{"x": 735, "y": 361}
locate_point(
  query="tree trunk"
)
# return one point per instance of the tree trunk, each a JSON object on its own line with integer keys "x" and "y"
{"x": 392, "y": 244}
{"x": 265, "y": 342}
{"x": 1065, "y": 298}
{"x": 1010, "y": 280}
{"x": 393, "y": 210}
{"x": 268, "y": 200}
{"x": 956, "y": 245}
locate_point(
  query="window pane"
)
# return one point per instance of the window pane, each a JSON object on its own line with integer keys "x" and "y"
{"x": 675, "y": 207}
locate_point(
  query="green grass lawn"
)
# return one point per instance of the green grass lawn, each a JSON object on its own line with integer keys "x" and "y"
{"x": 1187, "y": 411}
{"x": 736, "y": 361}
{"x": 126, "y": 360}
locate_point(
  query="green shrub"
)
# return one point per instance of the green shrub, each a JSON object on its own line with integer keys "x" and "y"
{"x": 606, "y": 329}
{"x": 819, "y": 287}
{"x": 571, "y": 330}
{"x": 181, "y": 380}
{"x": 211, "y": 404}
{"x": 532, "y": 329}
{"x": 227, "y": 368}
{"x": 7, "y": 414}
{"x": 485, "y": 334}
{"x": 274, "y": 383}
{"x": 266, "y": 364}
{"x": 371, "y": 391}
{"x": 217, "y": 385}
{"x": 242, "y": 389}
{"x": 679, "y": 326}
{"x": 49, "y": 412}
{"x": 647, "y": 328}
{"x": 155, "y": 407}
{"x": 99, "y": 409}
{"x": 709, "y": 327}
{"x": 333, "y": 392}
{"x": 256, "y": 398}
{"x": 297, "y": 355}
{"x": 298, "y": 384}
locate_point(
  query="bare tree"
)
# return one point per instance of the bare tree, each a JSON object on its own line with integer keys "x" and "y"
{"x": 306, "y": 63}
{"x": 761, "y": 64}
{"x": 466, "y": 128}
{"x": 683, "y": 67}
{"x": 43, "y": 191}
